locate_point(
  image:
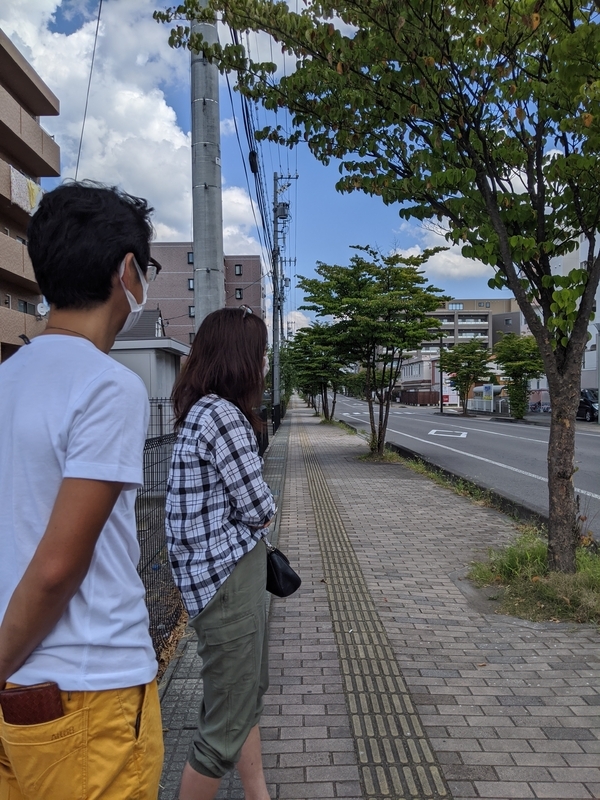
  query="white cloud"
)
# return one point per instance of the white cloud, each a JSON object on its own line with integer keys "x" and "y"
{"x": 227, "y": 126}
{"x": 238, "y": 221}
{"x": 294, "y": 320}
{"x": 132, "y": 137}
{"x": 450, "y": 263}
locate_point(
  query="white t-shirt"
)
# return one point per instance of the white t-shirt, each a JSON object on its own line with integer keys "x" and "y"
{"x": 67, "y": 410}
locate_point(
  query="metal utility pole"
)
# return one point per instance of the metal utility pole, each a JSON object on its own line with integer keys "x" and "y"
{"x": 441, "y": 375}
{"x": 281, "y": 212}
{"x": 209, "y": 276}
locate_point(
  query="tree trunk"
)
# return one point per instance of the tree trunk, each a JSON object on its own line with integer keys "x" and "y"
{"x": 369, "y": 394}
{"x": 563, "y": 529}
{"x": 333, "y": 403}
{"x": 325, "y": 402}
{"x": 381, "y": 428}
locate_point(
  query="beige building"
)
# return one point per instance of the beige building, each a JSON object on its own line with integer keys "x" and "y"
{"x": 27, "y": 153}
{"x": 469, "y": 319}
{"x": 173, "y": 290}
{"x": 460, "y": 320}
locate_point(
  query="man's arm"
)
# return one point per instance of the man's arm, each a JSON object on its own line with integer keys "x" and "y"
{"x": 57, "y": 569}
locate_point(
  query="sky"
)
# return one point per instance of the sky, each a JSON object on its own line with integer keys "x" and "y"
{"x": 137, "y": 136}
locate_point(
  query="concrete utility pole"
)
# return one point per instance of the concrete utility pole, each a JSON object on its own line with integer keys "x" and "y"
{"x": 209, "y": 275}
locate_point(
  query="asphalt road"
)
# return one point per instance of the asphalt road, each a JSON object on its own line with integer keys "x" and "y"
{"x": 510, "y": 458}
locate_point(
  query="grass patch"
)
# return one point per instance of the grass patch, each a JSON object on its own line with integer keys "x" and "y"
{"x": 531, "y": 592}
{"x": 341, "y": 425}
{"x": 388, "y": 457}
{"x": 460, "y": 486}
{"x": 345, "y": 427}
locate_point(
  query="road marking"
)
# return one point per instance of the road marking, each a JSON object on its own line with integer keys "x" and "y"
{"x": 495, "y": 433}
{"x": 490, "y": 461}
{"x": 452, "y": 434}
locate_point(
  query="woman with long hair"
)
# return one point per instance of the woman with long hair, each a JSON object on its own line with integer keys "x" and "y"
{"x": 218, "y": 507}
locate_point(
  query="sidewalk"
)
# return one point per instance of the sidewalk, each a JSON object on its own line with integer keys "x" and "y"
{"x": 386, "y": 680}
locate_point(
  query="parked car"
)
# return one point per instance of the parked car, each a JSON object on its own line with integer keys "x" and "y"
{"x": 588, "y": 405}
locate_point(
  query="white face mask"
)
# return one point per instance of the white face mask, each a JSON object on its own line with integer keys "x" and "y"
{"x": 265, "y": 366}
{"x": 136, "y": 308}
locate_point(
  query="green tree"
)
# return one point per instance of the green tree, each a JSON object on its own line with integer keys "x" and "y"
{"x": 467, "y": 363}
{"x": 379, "y": 304}
{"x": 520, "y": 360}
{"x": 484, "y": 115}
{"x": 355, "y": 384}
{"x": 318, "y": 365}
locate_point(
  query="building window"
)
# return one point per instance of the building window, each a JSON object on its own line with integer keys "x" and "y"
{"x": 239, "y": 294}
{"x": 191, "y": 284}
{"x": 238, "y": 269}
{"x": 487, "y": 305}
{"x": 508, "y": 321}
{"x": 192, "y": 311}
{"x": 26, "y": 308}
{"x": 192, "y": 338}
{"x": 190, "y": 257}
{"x": 455, "y": 306}
{"x": 480, "y": 304}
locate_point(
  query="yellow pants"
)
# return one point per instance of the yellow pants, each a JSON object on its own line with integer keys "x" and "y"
{"x": 108, "y": 746}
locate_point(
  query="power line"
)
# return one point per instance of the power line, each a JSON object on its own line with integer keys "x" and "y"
{"x": 87, "y": 96}
{"x": 259, "y": 229}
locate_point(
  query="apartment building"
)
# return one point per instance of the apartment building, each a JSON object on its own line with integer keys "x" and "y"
{"x": 460, "y": 320}
{"x": 173, "y": 290}
{"x": 27, "y": 153}
{"x": 469, "y": 319}
{"x": 244, "y": 283}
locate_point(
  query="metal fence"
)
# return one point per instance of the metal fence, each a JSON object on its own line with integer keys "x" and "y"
{"x": 162, "y": 596}
{"x": 162, "y": 419}
{"x": 499, "y": 405}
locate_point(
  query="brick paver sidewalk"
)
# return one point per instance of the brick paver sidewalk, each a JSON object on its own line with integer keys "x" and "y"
{"x": 386, "y": 681}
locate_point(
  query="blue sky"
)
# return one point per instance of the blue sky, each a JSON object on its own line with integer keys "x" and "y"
{"x": 137, "y": 135}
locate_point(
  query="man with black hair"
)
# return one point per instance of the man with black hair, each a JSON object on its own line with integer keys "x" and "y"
{"x": 73, "y": 423}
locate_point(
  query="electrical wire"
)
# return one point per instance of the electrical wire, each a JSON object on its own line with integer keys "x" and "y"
{"x": 260, "y": 230}
{"x": 87, "y": 96}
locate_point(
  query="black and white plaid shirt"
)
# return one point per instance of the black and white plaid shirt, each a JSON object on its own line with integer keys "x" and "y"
{"x": 217, "y": 499}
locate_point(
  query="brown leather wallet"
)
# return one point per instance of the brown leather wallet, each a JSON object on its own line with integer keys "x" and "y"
{"x": 30, "y": 705}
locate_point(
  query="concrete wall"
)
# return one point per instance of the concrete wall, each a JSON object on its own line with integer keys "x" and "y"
{"x": 156, "y": 368}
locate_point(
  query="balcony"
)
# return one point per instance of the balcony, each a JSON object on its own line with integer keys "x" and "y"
{"x": 14, "y": 323}
{"x": 8, "y": 205}
{"x": 15, "y": 266}
{"x": 466, "y": 320}
{"x": 473, "y": 335}
{"x": 444, "y": 320}
{"x": 24, "y": 140}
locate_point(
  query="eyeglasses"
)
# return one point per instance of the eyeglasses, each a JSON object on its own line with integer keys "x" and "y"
{"x": 152, "y": 269}
{"x": 247, "y": 310}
